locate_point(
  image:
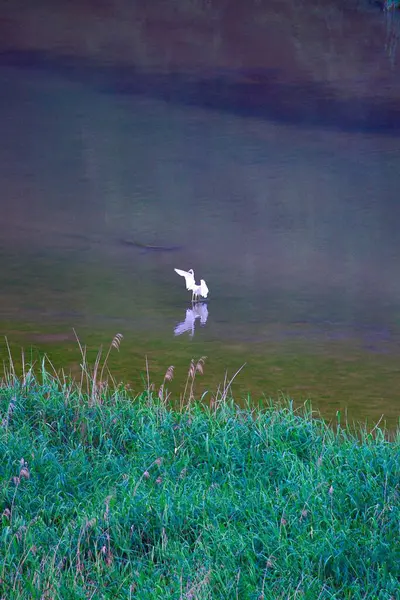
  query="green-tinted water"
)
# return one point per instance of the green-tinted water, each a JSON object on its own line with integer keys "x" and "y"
{"x": 294, "y": 230}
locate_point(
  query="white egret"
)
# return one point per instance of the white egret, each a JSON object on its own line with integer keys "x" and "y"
{"x": 196, "y": 289}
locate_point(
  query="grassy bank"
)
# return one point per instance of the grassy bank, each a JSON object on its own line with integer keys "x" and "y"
{"x": 103, "y": 495}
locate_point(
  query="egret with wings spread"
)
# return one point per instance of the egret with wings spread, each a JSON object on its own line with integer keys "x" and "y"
{"x": 196, "y": 289}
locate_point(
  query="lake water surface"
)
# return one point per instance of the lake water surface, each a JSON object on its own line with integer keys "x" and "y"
{"x": 294, "y": 226}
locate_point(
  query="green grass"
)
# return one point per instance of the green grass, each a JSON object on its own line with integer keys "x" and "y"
{"x": 103, "y": 495}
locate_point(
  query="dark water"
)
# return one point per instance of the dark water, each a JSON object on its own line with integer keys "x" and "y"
{"x": 293, "y": 223}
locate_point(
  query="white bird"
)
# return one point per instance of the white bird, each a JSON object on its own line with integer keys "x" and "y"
{"x": 197, "y": 289}
{"x": 199, "y": 311}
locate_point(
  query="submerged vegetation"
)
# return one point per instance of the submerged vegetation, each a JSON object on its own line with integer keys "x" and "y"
{"x": 107, "y": 495}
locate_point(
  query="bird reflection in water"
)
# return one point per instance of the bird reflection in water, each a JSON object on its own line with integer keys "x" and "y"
{"x": 198, "y": 311}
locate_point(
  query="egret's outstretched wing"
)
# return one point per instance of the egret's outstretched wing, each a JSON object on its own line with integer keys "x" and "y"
{"x": 189, "y": 277}
{"x": 203, "y": 289}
